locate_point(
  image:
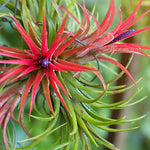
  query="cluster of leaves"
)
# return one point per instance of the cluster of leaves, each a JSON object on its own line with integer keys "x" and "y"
{"x": 58, "y": 63}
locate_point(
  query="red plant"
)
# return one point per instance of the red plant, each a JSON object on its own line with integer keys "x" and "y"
{"x": 100, "y": 41}
{"x": 40, "y": 64}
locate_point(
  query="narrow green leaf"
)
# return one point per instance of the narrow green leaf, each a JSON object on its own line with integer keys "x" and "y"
{"x": 41, "y": 137}
{"x": 82, "y": 113}
{"x": 84, "y": 128}
{"x": 116, "y": 130}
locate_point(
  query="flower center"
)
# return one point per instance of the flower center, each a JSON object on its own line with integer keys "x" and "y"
{"x": 44, "y": 62}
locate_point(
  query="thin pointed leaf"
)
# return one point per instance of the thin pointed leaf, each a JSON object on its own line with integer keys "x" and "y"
{"x": 25, "y": 93}
{"x": 58, "y": 94}
{"x": 101, "y": 58}
{"x": 44, "y": 37}
{"x": 37, "y": 81}
{"x": 46, "y": 92}
{"x": 26, "y": 37}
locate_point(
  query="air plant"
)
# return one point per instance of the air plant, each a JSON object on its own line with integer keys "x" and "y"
{"x": 53, "y": 65}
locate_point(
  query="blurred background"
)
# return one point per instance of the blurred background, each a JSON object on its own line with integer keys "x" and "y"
{"x": 138, "y": 139}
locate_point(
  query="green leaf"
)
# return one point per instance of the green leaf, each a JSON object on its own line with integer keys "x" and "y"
{"x": 84, "y": 128}
{"x": 82, "y": 113}
{"x": 41, "y": 137}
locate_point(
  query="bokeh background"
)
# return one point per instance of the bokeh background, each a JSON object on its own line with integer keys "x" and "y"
{"x": 138, "y": 139}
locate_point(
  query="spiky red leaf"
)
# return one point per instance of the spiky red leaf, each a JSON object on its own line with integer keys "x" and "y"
{"x": 18, "y": 62}
{"x": 106, "y": 59}
{"x": 44, "y": 37}
{"x": 26, "y": 37}
{"x": 25, "y": 93}
{"x": 37, "y": 81}
{"x": 58, "y": 93}
{"x": 46, "y": 92}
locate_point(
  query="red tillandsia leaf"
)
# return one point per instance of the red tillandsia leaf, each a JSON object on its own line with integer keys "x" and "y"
{"x": 91, "y": 38}
{"x": 4, "y": 109}
{"x": 7, "y": 96}
{"x": 46, "y": 92}
{"x": 4, "y": 130}
{"x": 59, "y": 33}
{"x": 23, "y": 125}
{"x": 13, "y": 106}
{"x": 58, "y": 94}
{"x": 53, "y": 67}
{"x": 108, "y": 14}
{"x": 103, "y": 40}
{"x": 27, "y": 70}
{"x": 67, "y": 53}
{"x": 65, "y": 45}
{"x": 44, "y": 37}
{"x": 11, "y": 72}
{"x": 3, "y": 69}
{"x": 54, "y": 47}
{"x": 119, "y": 24}
{"x": 85, "y": 17}
{"x": 26, "y": 37}
{"x": 123, "y": 48}
{"x": 85, "y": 51}
{"x": 25, "y": 93}
{"x": 37, "y": 81}
{"x": 46, "y": 74}
{"x": 134, "y": 21}
{"x": 2, "y": 118}
{"x": 101, "y": 79}
{"x": 108, "y": 23}
{"x": 32, "y": 35}
{"x": 131, "y": 17}
{"x": 13, "y": 50}
{"x": 99, "y": 42}
{"x": 105, "y": 24}
{"x": 34, "y": 57}
{"x": 14, "y": 55}
{"x": 18, "y": 62}
{"x": 72, "y": 66}
{"x": 55, "y": 79}
{"x": 134, "y": 45}
{"x": 106, "y": 59}
{"x": 72, "y": 17}
{"x": 99, "y": 76}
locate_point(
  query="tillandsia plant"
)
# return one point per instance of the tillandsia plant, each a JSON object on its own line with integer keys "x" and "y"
{"x": 57, "y": 73}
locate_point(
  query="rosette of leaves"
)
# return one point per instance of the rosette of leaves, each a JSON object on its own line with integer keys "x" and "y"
{"x": 75, "y": 47}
